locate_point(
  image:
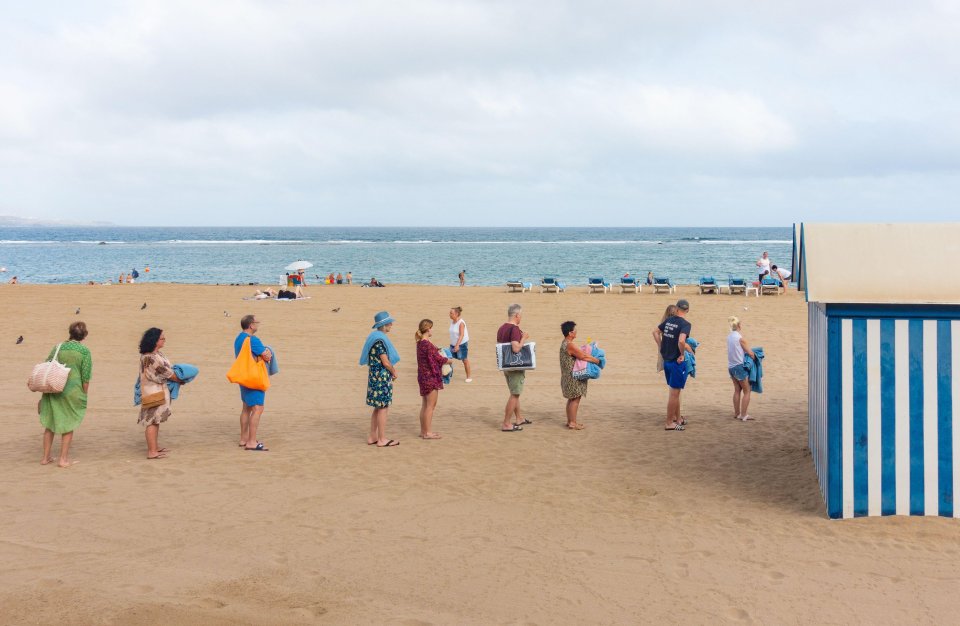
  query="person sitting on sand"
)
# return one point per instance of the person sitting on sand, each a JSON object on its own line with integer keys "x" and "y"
{"x": 14, "y": 281}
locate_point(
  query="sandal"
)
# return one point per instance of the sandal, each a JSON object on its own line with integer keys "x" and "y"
{"x": 675, "y": 426}
{"x": 516, "y": 428}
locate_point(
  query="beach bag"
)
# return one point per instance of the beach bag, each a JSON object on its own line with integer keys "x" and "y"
{"x": 508, "y": 360}
{"x": 153, "y": 400}
{"x": 249, "y": 371}
{"x": 49, "y": 376}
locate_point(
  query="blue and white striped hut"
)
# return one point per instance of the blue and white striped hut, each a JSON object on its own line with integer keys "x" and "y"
{"x": 884, "y": 365}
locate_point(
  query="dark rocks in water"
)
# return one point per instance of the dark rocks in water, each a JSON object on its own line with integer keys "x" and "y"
{"x": 102, "y": 243}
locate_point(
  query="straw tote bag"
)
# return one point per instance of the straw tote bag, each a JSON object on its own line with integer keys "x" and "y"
{"x": 249, "y": 371}
{"x": 49, "y": 376}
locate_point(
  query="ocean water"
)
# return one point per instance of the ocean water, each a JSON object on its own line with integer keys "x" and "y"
{"x": 433, "y": 256}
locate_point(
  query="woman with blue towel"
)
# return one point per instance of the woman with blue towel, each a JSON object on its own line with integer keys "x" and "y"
{"x": 573, "y": 389}
{"x": 381, "y": 357}
{"x": 736, "y": 349}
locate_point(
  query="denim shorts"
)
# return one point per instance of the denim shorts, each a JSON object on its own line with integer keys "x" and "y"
{"x": 460, "y": 354}
{"x": 675, "y": 373}
{"x": 738, "y": 372}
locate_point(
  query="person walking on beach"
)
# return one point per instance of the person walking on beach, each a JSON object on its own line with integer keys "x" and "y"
{"x": 463, "y": 277}
{"x": 510, "y": 333}
{"x": 61, "y": 413}
{"x": 736, "y": 349}
{"x": 381, "y": 358}
{"x": 252, "y": 399}
{"x": 573, "y": 389}
{"x": 155, "y": 371}
{"x": 459, "y": 338}
{"x": 671, "y": 337}
{"x": 429, "y": 377}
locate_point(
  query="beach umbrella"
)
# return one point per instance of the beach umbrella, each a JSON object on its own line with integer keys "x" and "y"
{"x": 298, "y": 265}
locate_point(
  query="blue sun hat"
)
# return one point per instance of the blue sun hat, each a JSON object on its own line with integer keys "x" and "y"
{"x": 381, "y": 319}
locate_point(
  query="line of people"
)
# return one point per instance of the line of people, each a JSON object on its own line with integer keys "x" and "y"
{"x": 61, "y": 413}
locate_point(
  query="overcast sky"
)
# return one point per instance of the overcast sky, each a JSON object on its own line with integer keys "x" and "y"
{"x": 439, "y": 113}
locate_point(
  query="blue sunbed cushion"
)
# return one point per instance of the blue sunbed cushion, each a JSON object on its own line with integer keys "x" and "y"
{"x": 628, "y": 280}
{"x": 707, "y": 280}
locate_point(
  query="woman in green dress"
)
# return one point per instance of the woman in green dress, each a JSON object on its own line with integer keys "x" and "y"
{"x": 61, "y": 413}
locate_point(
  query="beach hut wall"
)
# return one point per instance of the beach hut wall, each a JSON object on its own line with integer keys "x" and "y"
{"x": 883, "y": 371}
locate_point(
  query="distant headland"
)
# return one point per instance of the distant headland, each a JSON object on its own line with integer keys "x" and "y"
{"x": 13, "y": 220}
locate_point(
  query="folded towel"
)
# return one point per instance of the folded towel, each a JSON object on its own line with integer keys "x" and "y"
{"x": 184, "y": 371}
{"x": 273, "y": 366}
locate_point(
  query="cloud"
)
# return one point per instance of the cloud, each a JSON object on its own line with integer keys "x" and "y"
{"x": 334, "y": 111}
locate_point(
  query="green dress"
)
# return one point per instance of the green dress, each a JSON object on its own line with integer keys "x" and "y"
{"x": 62, "y": 412}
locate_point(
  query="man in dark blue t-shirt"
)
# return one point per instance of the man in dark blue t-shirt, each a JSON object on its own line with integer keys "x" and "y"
{"x": 671, "y": 337}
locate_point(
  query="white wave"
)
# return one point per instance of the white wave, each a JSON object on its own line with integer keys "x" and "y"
{"x": 741, "y": 242}
{"x": 232, "y": 241}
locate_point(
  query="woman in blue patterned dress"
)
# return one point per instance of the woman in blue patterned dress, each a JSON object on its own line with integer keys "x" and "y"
{"x": 381, "y": 357}
{"x": 61, "y": 413}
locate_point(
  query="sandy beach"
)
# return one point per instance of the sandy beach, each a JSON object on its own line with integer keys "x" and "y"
{"x": 619, "y": 523}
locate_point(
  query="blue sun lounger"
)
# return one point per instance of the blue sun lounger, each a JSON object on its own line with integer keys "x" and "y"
{"x": 597, "y": 283}
{"x": 629, "y": 283}
{"x": 517, "y": 285}
{"x": 663, "y": 283}
{"x": 549, "y": 283}
{"x": 707, "y": 284}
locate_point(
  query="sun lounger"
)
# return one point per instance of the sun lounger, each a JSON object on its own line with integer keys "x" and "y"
{"x": 662, "y": 283}
{"x": 707, "y": 284}
{"x": 516, "y": 285}
{"x": 551, "y": 284}
{"x": 770, "y": 285}
{"x": 597, "y": 283}
{"x": 629, "y": 283}
{"x": 736, "y": 285}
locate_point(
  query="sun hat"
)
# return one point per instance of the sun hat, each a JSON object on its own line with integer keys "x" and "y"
{"x": 683, "y": 305}
{"x": 382, "y": 319}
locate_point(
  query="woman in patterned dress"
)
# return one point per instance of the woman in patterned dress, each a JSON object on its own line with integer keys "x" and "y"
{"x": 155, "y": 372}
{"x": 61, "y": 413}
{"x": 429, "y": 377}
{"x": 573, "y": 389}
{"x": 381, "y": 357}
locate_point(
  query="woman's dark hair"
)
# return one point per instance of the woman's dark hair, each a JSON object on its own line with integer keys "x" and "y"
{"x": 148, "y": 343}
{"x": 78, "y": 331}
{"x": 567, "y": 327}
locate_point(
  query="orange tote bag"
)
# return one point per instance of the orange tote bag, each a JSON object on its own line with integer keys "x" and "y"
{"x": 248, "y": 370}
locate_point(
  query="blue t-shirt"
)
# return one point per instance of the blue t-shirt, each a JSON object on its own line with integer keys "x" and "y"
{"x": 672, "y": 328}
{"x": 256, "y": 346}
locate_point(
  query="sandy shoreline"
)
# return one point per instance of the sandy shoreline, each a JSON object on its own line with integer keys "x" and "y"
{"x": 620, "y": 523}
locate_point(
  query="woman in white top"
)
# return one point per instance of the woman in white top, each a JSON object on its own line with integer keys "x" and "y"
{"x": 764, "y": 264}
{"x": 736, "y": 349}
{"x": 458, "y": 340}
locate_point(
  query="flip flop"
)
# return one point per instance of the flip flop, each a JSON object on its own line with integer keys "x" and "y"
{"x": 259, "y": 448}
{"x": 516, "y": 427}
{"x": 576, "y": 426}
{"x": 371, "y": 443}
{"x": 390, "y": 444}
{"x": 154, "y": 458}
{"x": 525, "y": 421}
{"x": 675, "y": 427}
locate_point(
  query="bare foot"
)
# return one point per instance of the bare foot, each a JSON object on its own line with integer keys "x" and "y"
{"x": 243, "y": 444}
{"x": 576, "y": 426}
{"x": 66, "y": 463}
{"x": 47, "y": 461}
{"x": 158, "y": 455}
{"x": 430, "y": 436}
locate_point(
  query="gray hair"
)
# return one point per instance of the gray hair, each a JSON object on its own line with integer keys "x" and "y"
{"x": 513, "y": 310}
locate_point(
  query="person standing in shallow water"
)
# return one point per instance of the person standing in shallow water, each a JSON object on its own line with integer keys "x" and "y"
{"x": 463, "y": 277}
{"x": 61, "y": 413}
